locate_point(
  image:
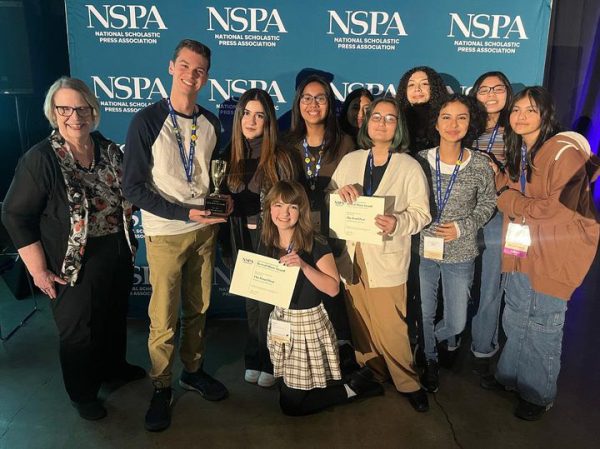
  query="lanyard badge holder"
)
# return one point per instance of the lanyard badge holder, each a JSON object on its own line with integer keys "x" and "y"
{"x": 433, "y": 247}
{"x": 518, "y": 236}
{"x": 281, "y": 330}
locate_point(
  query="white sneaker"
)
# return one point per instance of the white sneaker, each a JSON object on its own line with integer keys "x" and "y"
{"x": 251, "y": 376}
{"x": 266, "y": 380}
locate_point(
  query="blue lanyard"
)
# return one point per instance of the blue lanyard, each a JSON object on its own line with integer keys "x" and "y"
{"x": 186, "y": 160}
{"x": 310, "y": 173}
{"x": 492, "y": 139}
{"x": 369, "y": 188}
{"x": 438, "y": 182}
{"x": 523, "y": 167}
{"x": 289, "y": 248}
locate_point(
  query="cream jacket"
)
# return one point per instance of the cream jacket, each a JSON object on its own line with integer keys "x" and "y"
{"x": 405, "y": 187}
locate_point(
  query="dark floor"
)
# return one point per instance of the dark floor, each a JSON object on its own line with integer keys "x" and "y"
{"x": 36, "y": 413}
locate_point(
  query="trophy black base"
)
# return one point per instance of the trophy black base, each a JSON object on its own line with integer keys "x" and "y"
{"x": 216, "y": 204}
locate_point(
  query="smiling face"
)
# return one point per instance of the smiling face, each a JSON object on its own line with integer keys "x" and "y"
{"x": 284, "y": 215}
{"x": 493, "y": 101}
{"x": 525, "y": 120}
{"x": 314, "y": 113}
{"x": 253, "y": 120}
{"x": 453, "y": 122}
{"x": 75, "y": 127}
{"x": 189, "y": 71}
{"x": 382, "y": 124}
{"x": 418, "y": 90}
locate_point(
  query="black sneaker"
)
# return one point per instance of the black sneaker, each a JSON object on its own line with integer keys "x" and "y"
{"x": 482, "y": 366}
{"x": 158, "y": 416}
{"x": 528, "y": 411}
{"x": 430, "y": 379}
{"x": 92, "y": 410}
{"x": 210, "y": 388}
{"x": 362, "y": 382}
{"x": 418, "y": 400}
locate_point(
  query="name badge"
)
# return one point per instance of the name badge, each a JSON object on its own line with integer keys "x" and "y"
{"x": 315, "y": 218}
{"x": 281, "y": 331}
{"x": 433, "y": 248}
{"x": 518, "y": 240}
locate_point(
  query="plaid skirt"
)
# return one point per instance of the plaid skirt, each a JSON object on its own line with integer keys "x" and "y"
{"x": 311, "y": 358}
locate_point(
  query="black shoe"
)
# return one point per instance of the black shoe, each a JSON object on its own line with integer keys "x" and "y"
{"x": 418, "y": 399}
{"x": 489, "y": 382}
{"x": 210, "y": 388}
{"x": 92, "y": 411}
{"x": 430, "y": 379}
{"x": 528, "y": 411}
{"x": 127, "y": 373}
{"x": 362, "y": 382}
{"x": 158, "y": 416}
{"x": 482, "y": 366}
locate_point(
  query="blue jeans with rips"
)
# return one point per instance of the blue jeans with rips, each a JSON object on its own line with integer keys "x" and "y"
{"x": 456, "y": 285}
{"x": 533, "y": 324}
{"x": 484, "y": 327}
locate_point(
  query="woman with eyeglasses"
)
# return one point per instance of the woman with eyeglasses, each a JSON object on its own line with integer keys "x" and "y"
{"x": 354, "y": 110}
{"x": 550, "y": 238}
{"x": 66, "y": 214}
{"x": 256, "y": 163}
{"x": 462, "y": 200}
{"x": 375, "y": 275}
{"x": 420, "y": 90}
{"x": 494, "y": 92}
{"x": 316, "y": 136}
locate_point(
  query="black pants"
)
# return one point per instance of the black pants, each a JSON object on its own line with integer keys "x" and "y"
{"x": 257, "y": 354}
{"x": 295, "y": 402}
{"x": 91, "y": 317}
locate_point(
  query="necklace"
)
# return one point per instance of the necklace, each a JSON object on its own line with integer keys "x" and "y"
{"x": 312, "y": 173}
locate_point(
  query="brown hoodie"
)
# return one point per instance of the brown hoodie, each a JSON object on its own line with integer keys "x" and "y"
{"x": 559, "y": 209}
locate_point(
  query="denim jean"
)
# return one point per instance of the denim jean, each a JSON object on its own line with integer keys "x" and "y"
{"x": 456, "y": 285}
{"x": 533, "y": 324}
{"x": 484, "y": 327}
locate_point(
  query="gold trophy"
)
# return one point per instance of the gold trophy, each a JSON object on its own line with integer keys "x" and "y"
{"x": 215, "y": 202}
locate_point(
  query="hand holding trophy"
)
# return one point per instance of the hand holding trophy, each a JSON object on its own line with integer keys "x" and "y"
{"x": 215, "y": 202}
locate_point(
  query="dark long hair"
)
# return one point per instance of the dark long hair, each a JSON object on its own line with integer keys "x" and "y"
{"x": 333, "y": 135}
{"x": 438, "y": 91}
{"x": 542, "y": 100}
{"x": 505, "y": 112}
{"x": 477, "y": 118}
{"x": 346, "y": 126}
{"x": 289, "y": 192}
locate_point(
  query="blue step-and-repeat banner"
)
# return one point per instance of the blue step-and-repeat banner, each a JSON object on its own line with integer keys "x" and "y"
{"x": 122, "y": 50}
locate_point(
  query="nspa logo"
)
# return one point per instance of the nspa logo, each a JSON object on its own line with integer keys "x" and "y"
{"x": 223, "y": 90}
{"x": 244, "y": 20}
{"x": 128, "y": 87}
{"x": 486, "y": 26}
{"x": 366, "y": 23}
{"x": 342, "y": 90}
{"x": 120, "y": 17}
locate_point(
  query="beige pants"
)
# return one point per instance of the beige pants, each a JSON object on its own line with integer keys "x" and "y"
{"x": 181, "y": 270}
{"x": 379, "y": 331}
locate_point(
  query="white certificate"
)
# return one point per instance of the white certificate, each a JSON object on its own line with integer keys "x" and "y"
{"x": 264, "y": 279}
{"x": 356, "y": 221}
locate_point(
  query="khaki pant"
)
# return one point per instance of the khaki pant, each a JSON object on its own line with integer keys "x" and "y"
{"x": 379, "y": 330}
{"x": 181, "y": 270}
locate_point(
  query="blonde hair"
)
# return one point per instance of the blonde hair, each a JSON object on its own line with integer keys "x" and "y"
{"x": 65, "y": 82}
{"x": 289, "y": 192}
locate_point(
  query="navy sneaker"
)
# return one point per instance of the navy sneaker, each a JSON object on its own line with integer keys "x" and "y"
{"x": 210, "y": 388}
{"x": 158, "y": 416}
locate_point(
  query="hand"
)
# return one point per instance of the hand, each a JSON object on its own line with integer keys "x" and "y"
{"x": 348, "y": 193}
{"x": 45, "y": 279}
{"x": 292, "y": 260}
{"x": 202, "y": 216}
{"x": 447, "y": 231}
{"x": 387, "y": 224}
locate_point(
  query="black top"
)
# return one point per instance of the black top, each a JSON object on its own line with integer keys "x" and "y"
{"x": 373, "y": 179}
{"x": 306, "y": 295}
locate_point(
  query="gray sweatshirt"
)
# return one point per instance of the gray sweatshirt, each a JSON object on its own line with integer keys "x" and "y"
{"x": 471, "y": 203}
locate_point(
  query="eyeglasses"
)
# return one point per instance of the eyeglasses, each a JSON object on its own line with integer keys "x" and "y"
{"x": 499, "y": 89}
{"x": 67, "y": 111}
{"x": 308, "y": 99}
{"x": 388, "y": 119}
